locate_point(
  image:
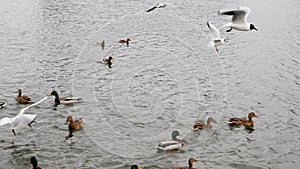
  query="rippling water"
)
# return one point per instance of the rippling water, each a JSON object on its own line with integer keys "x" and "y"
{"x": 166, "y": 79}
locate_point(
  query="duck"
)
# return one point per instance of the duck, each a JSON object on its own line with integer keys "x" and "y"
{"x": 199, "y": 126}
{"x": 65, "y": 100}
{"x": 239, "y": 19}
{"x": 102, "y": 44}
{"x": 135, "y": 167}
{"x": 2, "y": 104}
{"x": 125, "y": 41}
{"x": 34, "y": 163}
{"x": 23, "y": 99}
{"x": 108, "y": 61}
{"x": 216, "y": 39}
{"x": 175, "y": 144}
{"x": 74, "y": 125}
{"x": 159, "y": 5}
{"x": 21, "y": 119}
{"x": 190, "y": 163}
{"x": 235, "y": 122}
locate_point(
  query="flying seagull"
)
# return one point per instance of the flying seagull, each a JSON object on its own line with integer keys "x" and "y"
{"x": 239, "y": 19}
{"x": 216, "y": 38}
{"x": 21, "y": 119}
{"x": 159, "y": 5}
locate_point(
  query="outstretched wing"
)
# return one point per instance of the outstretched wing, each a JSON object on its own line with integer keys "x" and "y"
{"x": 151, "y": 9}
{"x": 214, "y": 31}
{"x": 24, "y": 109}
{"x": 239, "y": 15}
{"x": 6, "y": 120}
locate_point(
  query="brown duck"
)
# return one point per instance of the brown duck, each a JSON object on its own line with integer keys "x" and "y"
{"x": 199, "y": 126}
{"x": 23, "y": 99}
{"x": 74, "y": 125}
{"x": 235, "y": 122}
{"x": 190, "y": 163}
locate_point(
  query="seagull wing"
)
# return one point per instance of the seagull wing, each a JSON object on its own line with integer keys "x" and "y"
{"x": 24, "y": 109}
{"x": 6, "y": 120}
{"x": 151, "y": 9}
{"x": 214, "y": 31}
{"x": 23, "y": 120}
{"x": 239, "y": 15}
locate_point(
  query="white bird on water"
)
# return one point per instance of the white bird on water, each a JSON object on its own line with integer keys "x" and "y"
{"x": 215, "y": 36}
{"x": 159, "y": 5}
{"x": 21, "y": 119}
{"x": 239, "y": 19}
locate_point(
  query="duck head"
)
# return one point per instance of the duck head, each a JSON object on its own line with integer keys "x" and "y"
{"x": 20, "y": 92}
{"x": 34, "y": 162}
{"x": 252, "y": 114}
{"x": 69, "y": 119}
{"x": 54, "y": 93}
{"x": 191, "y": 161}
{"x": 174, "y": 135}
{"x": 135, "y": 167}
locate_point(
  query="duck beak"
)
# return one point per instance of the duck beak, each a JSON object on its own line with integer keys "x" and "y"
{"x": 256, "y": 116}
{"x": 113, "y": 59}
{"x": 180, "y": 134}
{"x": 139, "y": 167}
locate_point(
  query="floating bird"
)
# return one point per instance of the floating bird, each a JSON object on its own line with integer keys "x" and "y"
{"x": 135, "y": 167}
{"x": 22, "y": 99}
{"x": 215, "y": 34}
{"x": 199, "y": 126}
{"x": 108, "y": 61}
{"x": 171, "y": 145}
{"x": 2, "y": 104}
{"x": 34, "y": 163}
{"x": 239, "y": 19}
{"x": 159, "y": 5}
{"x": 21, "y": 119}
{"x": 235, "y": 122}
{"x": 74, "y": 125}
{"x": 65, "y": 100}
{"x": 102, "y": 44}
{"x": 125, "y": 41}
{"x": 190, "y": 163}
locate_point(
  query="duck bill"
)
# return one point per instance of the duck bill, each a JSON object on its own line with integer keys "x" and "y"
{"x": 256, "y": 29}
{"x": 139, "y": 167}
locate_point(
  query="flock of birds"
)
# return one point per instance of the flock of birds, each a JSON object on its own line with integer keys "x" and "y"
{"x": 238, "y": 22}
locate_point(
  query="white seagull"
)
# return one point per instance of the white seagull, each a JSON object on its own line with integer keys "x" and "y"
{"x": 159, "y": 5}
{"x": 216, "y": 38}
{"x": 21, "y": 119}
{"x": 239, "y": 19}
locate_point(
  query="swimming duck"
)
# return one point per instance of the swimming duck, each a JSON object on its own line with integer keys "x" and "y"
{"x": 21, "y": 119}
{"x": 65, "y": 100}
{"x": 171, "y": 145}
{"x": 159, "y": 5}
{"x": 190, "y": 163}
{"x": 74, "y": 125}
{"x": 23, "y": 99}
{"x": 235, "y": 122}
{"x": 34, "y": 163}
{"x": 199, "y": 126}
{"x": 125, "y": 41}
{"x": 2, "y": 104}
{"x": 135, "y": 167}
{"x": 108, "y": 61}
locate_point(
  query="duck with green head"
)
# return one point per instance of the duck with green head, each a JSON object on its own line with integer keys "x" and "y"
{"x": 65, "y": 100}
{"x": 175, "y": 144}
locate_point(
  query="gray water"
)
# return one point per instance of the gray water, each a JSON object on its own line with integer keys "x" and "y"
{"x": 166, "y": 79}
